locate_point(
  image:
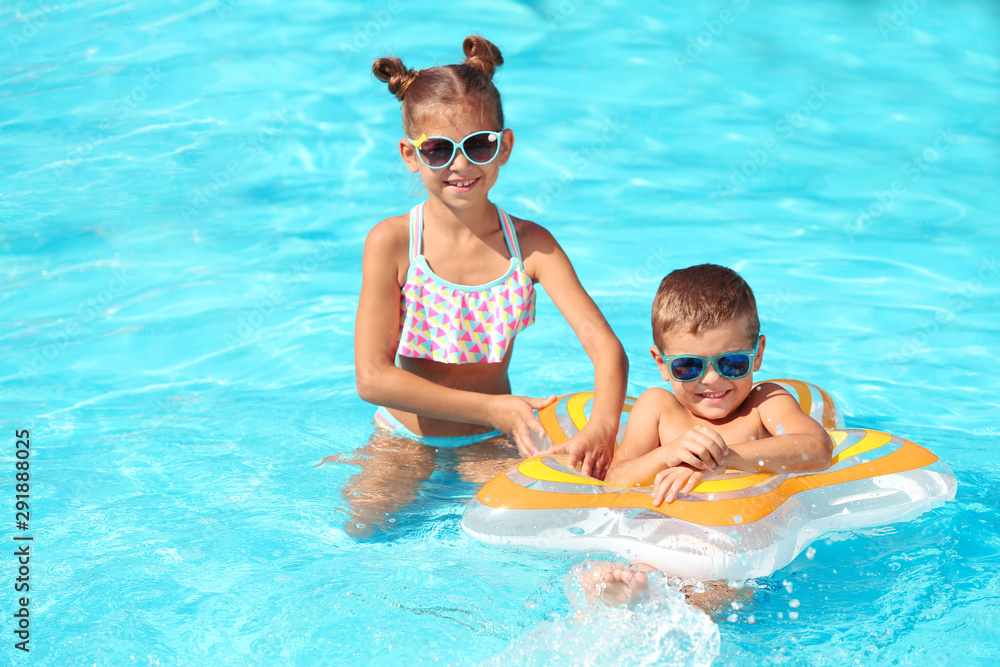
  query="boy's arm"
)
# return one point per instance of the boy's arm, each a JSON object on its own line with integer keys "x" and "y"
{"x": 641, "y": 457}
{"x": 636, "y": 457}
{"x": 680, "y": 479}
{"x": 798, "y": 444}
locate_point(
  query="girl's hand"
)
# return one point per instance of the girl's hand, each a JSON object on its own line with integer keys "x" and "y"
{"x": 681, "y": 479}
{"x": 515, "y": 415}
{"x": 589, "y": 448}
{"x": 701, "y": 447}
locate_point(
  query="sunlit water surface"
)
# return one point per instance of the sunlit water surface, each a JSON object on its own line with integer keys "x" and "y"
{"x": 186, "y": 191}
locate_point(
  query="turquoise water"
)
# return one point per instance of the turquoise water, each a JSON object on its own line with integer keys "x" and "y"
{"x": 186, "y": 190}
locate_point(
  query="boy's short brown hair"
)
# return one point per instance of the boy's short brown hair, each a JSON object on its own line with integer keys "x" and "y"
{"x": 703, "y": 297}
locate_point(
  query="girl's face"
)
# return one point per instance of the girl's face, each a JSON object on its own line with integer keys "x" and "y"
{"x": 460, "y": 183}
{"x": 711, "y": 396}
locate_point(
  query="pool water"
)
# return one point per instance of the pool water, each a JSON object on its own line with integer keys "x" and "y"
{"x": 186, "y": 191}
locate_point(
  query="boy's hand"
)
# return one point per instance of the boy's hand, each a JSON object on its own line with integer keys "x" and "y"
{"x": 701, "y": 447}
{"x": 681, "y": 479}
{"x": 515, "y": 415}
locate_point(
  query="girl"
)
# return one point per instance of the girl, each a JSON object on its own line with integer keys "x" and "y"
{"x": 447, "y": 287}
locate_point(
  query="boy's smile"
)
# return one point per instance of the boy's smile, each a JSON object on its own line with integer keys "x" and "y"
{"x": 715, "y": 396}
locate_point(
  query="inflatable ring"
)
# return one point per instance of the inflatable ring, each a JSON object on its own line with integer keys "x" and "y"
{"x": 735, "y": 526}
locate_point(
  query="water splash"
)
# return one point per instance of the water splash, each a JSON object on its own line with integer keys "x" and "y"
{"x": 662, "y": 629}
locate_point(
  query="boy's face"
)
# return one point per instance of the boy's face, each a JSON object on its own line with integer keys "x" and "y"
{"x": 711, "y": 396}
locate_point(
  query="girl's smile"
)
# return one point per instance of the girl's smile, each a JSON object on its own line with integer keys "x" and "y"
{"x": 462, "y": 185}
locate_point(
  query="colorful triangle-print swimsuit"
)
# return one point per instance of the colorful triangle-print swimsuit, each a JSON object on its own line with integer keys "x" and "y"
{"x": 461, "y": 324}
{"x": 458, "y": 324}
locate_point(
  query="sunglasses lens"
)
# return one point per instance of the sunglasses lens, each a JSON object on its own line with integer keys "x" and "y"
{"x": 437, "y": 152}
{"x": 685, "y": 369}
{"x": 481, "y": 148}
{"x": 733, "y": 366}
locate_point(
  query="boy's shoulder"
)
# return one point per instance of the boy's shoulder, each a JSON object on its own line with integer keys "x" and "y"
{"x": 657, "y": 398}
{"x": 765, "y": 391}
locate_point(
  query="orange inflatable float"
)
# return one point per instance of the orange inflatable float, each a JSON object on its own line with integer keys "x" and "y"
{"x": 735, "y": 526}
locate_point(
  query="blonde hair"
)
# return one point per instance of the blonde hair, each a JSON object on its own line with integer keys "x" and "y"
{"x": 702, "y": 297}
{"x": 467, "y": 85}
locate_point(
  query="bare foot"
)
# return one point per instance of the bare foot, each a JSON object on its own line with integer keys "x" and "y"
{"x": 611, "y": 583}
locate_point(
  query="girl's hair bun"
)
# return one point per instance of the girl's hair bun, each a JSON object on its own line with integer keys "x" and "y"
{"x": 468, "y": 85}
{"x": 393, "y": 72}
{"x": 482, "y": 54}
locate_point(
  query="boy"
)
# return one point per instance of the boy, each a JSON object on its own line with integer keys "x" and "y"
{"x": 708, "y": 345}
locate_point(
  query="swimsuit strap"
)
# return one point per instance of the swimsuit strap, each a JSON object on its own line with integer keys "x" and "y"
{"x": 508, "y": 233}
{"x": 416, "y": 230}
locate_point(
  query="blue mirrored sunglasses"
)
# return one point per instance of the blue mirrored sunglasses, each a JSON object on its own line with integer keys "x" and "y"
{"x": 730, "y": 365}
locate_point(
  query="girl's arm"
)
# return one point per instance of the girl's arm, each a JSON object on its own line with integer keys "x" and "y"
{"x": 376, "y": 338}
{"x": 799, "y": 442}
{"x": 546, "y": 262}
